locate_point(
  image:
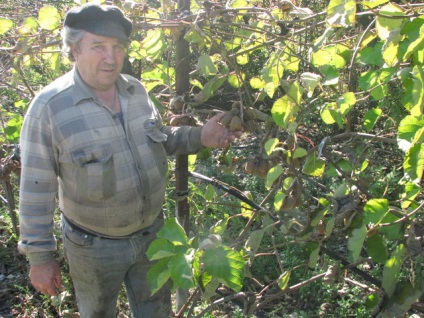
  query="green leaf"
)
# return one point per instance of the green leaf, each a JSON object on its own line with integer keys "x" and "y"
{"x": 371, "y": 55}
{"x": 416, "y": 95}
{"x": 331, "y": 75}
{"x": 49, "y": 18}
{"x": 408, "y": 128}
{"x": 257, "y": 83}
{"x": 254, "y": 240}
{"x": 273, "y": 69}
{"x": 313, "y": 165}
{"x": 173, "y": 232}
{"x": 376, "y": 249}
{"x": 392, "y": 269}
{"x": 206, "y": 66}
{"x": 310, "y": 81}
{"x": 346, "y": 102}
{"x": 411, "y": 191}
{"x": 299, "y": 153}
{"x": 371, "y": 118}
{"x": 375, "y": 210}
{"x": 220, "y": 227}
{"x": 373, "y": 3}
{"x": 55, "y": 62}
{"x": 226, "y": 265}
{"x": 385, "y": 25}
{"x": 160, "y": 248}
{"x": 400, "y": 303}
{"x": 355, "y": 243}
{"x": 158, "y": 275}
{"x": 29, "y": 26}
{"x": 312, "y": 248}
{"x": 328, "y": 56}
{"x": 414, "y": 32}
{"x": 181, "y": 273}
{"x": 285, "y": 109}
{"x": 153, "y": 44}
{"x": 5, "y": 25}
{"x": 246, "y": 209}
{"x": 210, "y": 192}
{"x": 210, "y": 88}
{"x": 273, "y": 174}
{"x": 270, "y": 145}
{"x": 283, "y": 280}
{"x": 414, "y": 162}
{"x": 341, "y": 13}
{"x": 13, "y": 128}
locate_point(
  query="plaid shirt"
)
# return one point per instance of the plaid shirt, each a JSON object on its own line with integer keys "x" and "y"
{"x": 110, "y": 178}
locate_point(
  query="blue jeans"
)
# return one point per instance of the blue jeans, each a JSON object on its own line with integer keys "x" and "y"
{"x": 99, "y": 266}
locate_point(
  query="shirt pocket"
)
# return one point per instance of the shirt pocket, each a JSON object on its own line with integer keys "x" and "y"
{"x": 95, "y": 173}
{"x": 155, "y": 140}
{"x": 153, "y": 132}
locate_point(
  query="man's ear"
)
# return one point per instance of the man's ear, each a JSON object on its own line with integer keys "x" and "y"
{"x": 75, "y": 51}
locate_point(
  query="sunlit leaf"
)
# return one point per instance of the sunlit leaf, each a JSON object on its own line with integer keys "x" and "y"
{"x": 407, "y": 130}
{"x": 270, "y": 145}
{"x": 411, "y": 191}
{"x": 160, "y": 248}
{"x": 310, "y": 81}
{"x": 373, "y": 3}
{"x": 49, "y": 18}
{"x": 313, "y": 165}
{"x": 341, "y": 13}
{"x": 257, "y": 83}
{"x": 173, "y": 232}
{"x": 5, "y": 25}
{"x": 375, "y": 210}
{"x": 392, "y": 269}
{"x": 205, "y": 65}
{"x": 414, "y": 32}
{"x": 385, "y": 25}
{"x": 371, "y": 117}
{"x": 283, "y": 280}
{"x": 273, "y": 174}
{"x": 181, "y": 273}
{"x": 152, "y": 45}
{"x": 226, "y": 265}
{"x": 355, "y": 243}
{"x": 254, "y": 240}
{"x": 414, "y": 162}
{"x": 158, "y": 275}
{"x": 29, "y": 26}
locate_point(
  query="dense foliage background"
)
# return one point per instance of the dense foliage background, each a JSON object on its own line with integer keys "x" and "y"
{"x": 316, "y": 212}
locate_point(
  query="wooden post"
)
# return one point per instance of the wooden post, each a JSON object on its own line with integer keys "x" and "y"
{"x": 182, "y": 83}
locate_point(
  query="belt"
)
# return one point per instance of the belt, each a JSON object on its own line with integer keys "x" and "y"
{"x": 77, "y": 228}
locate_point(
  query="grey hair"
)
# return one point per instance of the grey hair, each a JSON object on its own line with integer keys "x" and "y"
{"x": 70, "y": 38}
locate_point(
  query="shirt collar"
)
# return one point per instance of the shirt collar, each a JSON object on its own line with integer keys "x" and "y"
{"x": 81, "y": 91}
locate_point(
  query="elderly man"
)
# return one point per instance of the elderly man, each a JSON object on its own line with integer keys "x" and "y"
{"x": 94, "y": 139}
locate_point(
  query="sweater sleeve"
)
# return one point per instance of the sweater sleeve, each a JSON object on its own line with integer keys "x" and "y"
{"x": 38, "y": 187}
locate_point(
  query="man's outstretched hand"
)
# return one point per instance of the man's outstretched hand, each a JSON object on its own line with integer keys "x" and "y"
{"x": 216, "y": 135}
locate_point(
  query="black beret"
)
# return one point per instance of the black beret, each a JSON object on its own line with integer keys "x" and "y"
{"x": 100, "y": 20}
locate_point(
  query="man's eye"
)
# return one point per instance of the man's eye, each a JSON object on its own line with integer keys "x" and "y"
{"x": 98, "y": 48}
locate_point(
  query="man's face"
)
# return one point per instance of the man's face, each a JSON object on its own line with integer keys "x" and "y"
{"x": 99, "y": 60}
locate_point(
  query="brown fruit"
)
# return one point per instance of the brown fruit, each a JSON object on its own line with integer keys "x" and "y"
{"x": 250, "y": 167}
{"x": 235, "y": 123}
{"x": 263, "y": 168}
{"x": 226, "y": 120}
{"x": 236, "y": 105}
{"x": 177, "y": 102}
